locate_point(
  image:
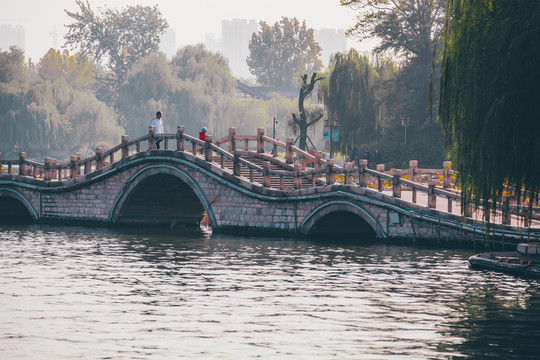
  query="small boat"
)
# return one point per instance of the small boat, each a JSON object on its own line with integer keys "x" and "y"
{"x": 523, "y": 262}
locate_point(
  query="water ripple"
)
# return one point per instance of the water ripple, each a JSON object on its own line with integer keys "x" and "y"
{"x": 70, "y": 293}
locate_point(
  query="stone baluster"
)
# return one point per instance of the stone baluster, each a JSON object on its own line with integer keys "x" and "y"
{"x": 180, "y": 138}
{"x": 99, "y": 158}
{"x": 297, "y": 180}
{"x": 348, "y": 175}
{"x": 266, "y": 173}
{"x": 413, "y": 170}
{"x": 125, "y": 148}
{"x": 506, "y": 214}
{"x": 432, "y": 197}
{"x": 330, "y": 176}
{"x": 152, "y": 138}
{"x": 49, "y": 172}
{"x": 380, "y": 180}
{"x": 447, "y": 180}
{"x": 232, "y": 140}
{"x": 208, "y": 149}
{"x": 73, "y": 168}
{"x": 318, "y": 157}
{"x": 288, "y": 150}
{"x": 22, "y": 167}
{"x": 260, "y": 142}
{"x": 362, "y": 172}
{"x": 396, "y": 186}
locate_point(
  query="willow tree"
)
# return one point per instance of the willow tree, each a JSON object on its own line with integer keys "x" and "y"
{"x": 348, "y": 94}
{"x": 489, "y": 98}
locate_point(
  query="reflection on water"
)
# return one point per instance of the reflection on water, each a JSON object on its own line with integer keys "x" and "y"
{"x": 71, "y": 293}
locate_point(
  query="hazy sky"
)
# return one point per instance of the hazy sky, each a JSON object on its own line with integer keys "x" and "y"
{"x": 190, "y": 19}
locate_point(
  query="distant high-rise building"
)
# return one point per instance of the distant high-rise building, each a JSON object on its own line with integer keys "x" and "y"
{"x": 236, "y": 35}
{"x": 11, "y": 35}
{"x": 168, "y": 43}
{"x": 213, "y": 44}
{"x": 331, "y": 41}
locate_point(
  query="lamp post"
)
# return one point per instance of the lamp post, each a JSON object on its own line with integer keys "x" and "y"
{"x": 331, "y": 126}
{"x": 274, "y": 126}
{"x": 405, "y": 123}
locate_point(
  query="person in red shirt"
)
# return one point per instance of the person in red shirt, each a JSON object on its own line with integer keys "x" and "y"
{"x": 202, "y": 137}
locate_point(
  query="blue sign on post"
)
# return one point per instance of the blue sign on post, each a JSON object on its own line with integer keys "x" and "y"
{"x": 326, "y": 134}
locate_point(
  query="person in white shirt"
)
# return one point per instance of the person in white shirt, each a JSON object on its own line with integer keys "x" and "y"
{"x": 158, "y": 123}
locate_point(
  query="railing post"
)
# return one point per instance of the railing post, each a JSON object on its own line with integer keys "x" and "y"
{"x": 266, "y": 174}
{"x": 447, "y": 180}
{"x": 152, "y": 138}
{"x": 297, "y": 180}
{"x": 432, "y": 198}
{"x": 260, "y": 142}
{"x": 208, "y": 148}
{"x": 288, "y": 150}
{"x": 99, "y": 158}
{"x": 22, "y": 167}
{"x": 180, "y": 138}
{"x": 348, "y": 176}
{"x": 380, "y": 180}
{"x": 506, "y": 214}
{"x": 125, "y": 148}
{"x": 413, "y": 167}
{"x": 362, "y": 174}
{"x": 47, "y": 171}
{"x": 318, "y": 157}
{"x": 396, "y": 186}
{"x": 73, "y": 169}
{"x": 232, "y": 140}
{"x": 237, "y": 170}
{"x": 330, "y": 176}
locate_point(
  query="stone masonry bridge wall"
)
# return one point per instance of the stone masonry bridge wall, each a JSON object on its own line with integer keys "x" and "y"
{"x": 232, "y": 203}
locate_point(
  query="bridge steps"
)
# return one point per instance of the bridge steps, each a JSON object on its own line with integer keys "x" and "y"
{"x": 275, "y": 181}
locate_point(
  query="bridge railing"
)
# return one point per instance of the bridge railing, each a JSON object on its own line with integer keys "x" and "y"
{"x": 297, "y": 168}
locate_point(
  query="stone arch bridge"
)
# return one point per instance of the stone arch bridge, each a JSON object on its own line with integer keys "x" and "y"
{"x": 248, "y": 184}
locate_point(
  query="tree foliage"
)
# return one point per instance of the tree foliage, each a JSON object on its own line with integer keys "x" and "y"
{"x": 46, "y": 116}
{"x": 196, "y": 64}
{"x": 77, "y": 70}
{"x": 119, "y": 38}
{"x": 195, "y": 89}
{"x": 406, "y": 27}
{"x": 280, "y": 53}
{"x": 489, "y": 97}
{"x": 349, "y": 96}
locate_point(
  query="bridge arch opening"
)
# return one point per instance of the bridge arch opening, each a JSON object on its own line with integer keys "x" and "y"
{"x": 13, "y": 210}
{"x": 343, "y": 224}
{"x": 342, "y": 219}
{"x": 161, "y": 200}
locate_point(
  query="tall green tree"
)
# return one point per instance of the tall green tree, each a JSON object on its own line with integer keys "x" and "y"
{"x": 195, "y": 63}
{"x": 348, "y": 94}
{"x": 489, "y": 97}
{"x": 404, "y": 27}
{"x": 279, "y": 54}
{"x": 116, "y": 38}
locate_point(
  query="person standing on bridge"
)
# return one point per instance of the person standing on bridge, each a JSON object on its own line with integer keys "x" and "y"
{"x": 158, "y": 123}
{"x": 202, "y": 137}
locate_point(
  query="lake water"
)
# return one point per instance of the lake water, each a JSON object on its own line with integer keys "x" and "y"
{"x": 87, "y": 293}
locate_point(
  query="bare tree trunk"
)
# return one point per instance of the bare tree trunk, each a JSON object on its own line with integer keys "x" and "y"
{"x": 303, "y": 122}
